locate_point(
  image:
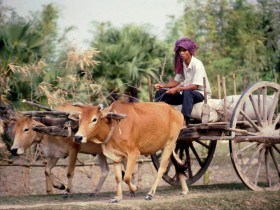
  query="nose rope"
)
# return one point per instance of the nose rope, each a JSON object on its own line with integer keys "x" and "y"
{"x": 109, "y": 136}
{"x": 160, "y": 97}
{"x": 40, "y": 140}
{"x": 38, "y": 152}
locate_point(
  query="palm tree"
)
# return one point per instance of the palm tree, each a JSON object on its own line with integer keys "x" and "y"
{"x": 127, "y": 56}
{"x": 23, "y": 43}
{"x": 19, "y": 45}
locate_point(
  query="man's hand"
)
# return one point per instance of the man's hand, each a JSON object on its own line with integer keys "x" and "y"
{"x": 172, "y": 90}
{"x": 158, "y": 86}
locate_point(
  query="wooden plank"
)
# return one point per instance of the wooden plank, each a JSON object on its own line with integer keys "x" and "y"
{"x": 53, "y": 130}
{"x": 260, "y": 139}
{"x": 222, "y": 126}
{"x": 216, "y": 138}
{"x": 219, "y": 86}
{"x": 44, "y": 113}
{"x": 188, "y": 134}
{"x": 225, "y": 98}
{"x": 51, "y": 121}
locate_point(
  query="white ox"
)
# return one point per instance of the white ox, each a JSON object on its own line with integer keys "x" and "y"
{"x": 56, "y": 147}
{"x": 148, "y": 128}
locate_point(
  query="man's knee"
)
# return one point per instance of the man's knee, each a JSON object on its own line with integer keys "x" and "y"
{"x": 187, "y": 93}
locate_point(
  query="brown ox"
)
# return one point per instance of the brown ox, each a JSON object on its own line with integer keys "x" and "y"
{"x": 54, "y": 148}
{"x": 148, "y": 128}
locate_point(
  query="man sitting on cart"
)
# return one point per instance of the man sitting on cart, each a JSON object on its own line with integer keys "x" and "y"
{"x": 187, "y": 87}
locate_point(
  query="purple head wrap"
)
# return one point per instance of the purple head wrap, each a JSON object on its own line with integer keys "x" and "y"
{"x": 187, "y": 44}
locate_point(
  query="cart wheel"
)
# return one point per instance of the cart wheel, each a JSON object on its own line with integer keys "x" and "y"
{"x": 257, "y": 162}
{"x": 196, "y": 156}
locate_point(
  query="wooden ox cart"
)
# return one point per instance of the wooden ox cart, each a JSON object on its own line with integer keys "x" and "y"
{"x": 252, "y": 130}
{"x": 254, "y": 140}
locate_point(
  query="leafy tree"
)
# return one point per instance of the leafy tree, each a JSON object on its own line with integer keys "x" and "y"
{"x": 127, "y": 56}
{"x": 237, "y": 36}
{"x": 25, "y": 45}
{"x": 19, "y": 45}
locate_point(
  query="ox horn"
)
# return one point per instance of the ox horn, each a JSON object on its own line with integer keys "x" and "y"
{"x": 112, "y": 115}
{"x": 115, "y": 116}
{"x": 100, "y": 106}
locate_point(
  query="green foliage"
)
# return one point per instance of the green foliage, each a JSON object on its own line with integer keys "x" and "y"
{"x": 234, "y": 37}
{"x": 24, "y": 44}
{"x": 127, "y": 56}
{"x": 20, "y": 45}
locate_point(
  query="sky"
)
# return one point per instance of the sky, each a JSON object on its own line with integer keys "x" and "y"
{"x": 80, "y": 13}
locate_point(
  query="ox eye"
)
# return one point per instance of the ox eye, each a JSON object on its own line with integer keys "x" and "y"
{"x": 26, "y": 129}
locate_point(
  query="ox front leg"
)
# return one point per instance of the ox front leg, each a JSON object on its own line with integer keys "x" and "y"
{"x": 130, "y": 165}
{"x": 50, "y": 179}
{"x": 165, "y": 156}
{"x": 104, "y": 172}
{"x": 70, "y": 170}
{"x": 118, "y": 176}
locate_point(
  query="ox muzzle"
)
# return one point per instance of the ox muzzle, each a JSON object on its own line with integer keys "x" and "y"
{"x": 78, "y": 139}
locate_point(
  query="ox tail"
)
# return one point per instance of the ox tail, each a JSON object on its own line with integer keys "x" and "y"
{"x": 178, "y": 163}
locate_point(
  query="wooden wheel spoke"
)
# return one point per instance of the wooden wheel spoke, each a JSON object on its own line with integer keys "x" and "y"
{"x": 196, "y": 155}
{"x": 273, "y": 107}
{"x": 259, "y": 103}
{"x": 259, "y": 169}
{"x": 276, "y": 120}
{"x": 242, "y": 131}
{"x": 203, "y": 144}
{"x": 245, "y": 148}
{"x": 264, "y": 104}
{"x": 249, "y": 162}
{"x": 250, "y": 120}
{"x": 274, "y": 161}
{"x": 188, "y": 163}
{"x": 188, "y": 158}
{"x": 276, "y": 148}
{"x": 181, "y": 153}
{"x": 267, "y": 169}
{"x": 192, "y": 169}
{"x": 255, "y": 109}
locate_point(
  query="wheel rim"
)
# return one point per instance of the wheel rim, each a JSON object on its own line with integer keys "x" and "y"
{"x": 196, "y": 156}
{"x": 257, "y": 163}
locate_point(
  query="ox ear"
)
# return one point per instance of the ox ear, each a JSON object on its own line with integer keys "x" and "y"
{"x": 78, "y": 104}
{"x": 104, "y": 112}
{"x": 74, "y": 116}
